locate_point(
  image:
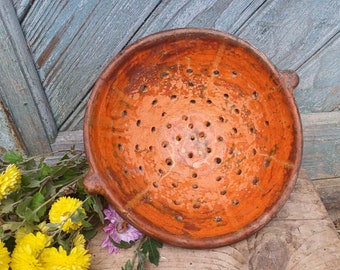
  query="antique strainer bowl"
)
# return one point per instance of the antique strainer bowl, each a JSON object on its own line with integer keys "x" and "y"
{"x": 194, "y": 137}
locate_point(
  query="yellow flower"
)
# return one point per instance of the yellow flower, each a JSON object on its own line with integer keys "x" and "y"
{"x": 10, "y": 180}
{"x": 57, "y": 259}
{"x": 26, "y": 254}
{"x": 79, "y": 241}
{"x": 62, "y": 210}
{"x": 4, "y": 257}
{"x": 21, "y": 232}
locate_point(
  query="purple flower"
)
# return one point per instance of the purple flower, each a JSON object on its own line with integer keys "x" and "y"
{"x": 118, "y": 229}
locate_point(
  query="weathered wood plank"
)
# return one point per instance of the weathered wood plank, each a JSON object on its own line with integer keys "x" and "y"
{"x": 329, "y": 191}
{"x": 319, "y": 88}
{"x": 301, "y": 237}
{"x": 321, "y": 150}
{"x": 9, "y": 139}
{"x": 20, "y": 86}
{"x": 290, "y": 32}
{"x": 72, "y": 42}
{"x": 22, "y": 7}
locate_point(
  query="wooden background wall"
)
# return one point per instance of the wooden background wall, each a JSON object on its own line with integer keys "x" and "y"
{"x": 52, "y": 52}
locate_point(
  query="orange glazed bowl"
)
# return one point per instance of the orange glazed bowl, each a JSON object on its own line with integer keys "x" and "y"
{"x": 194, "y": 137}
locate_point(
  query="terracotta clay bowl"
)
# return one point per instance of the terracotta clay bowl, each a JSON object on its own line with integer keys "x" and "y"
{"x": 194, "y": 137}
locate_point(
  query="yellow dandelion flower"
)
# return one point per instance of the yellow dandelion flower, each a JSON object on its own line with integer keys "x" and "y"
{"x": 61, "y": 212}
{"x": 26, "y": 254}
{"x": 10, "y": 180}
{"x": 79, "y": 241}
{"x": 4, "y": 257}
{"x": 21, "y": 232}
{"x": 58, "y": 259}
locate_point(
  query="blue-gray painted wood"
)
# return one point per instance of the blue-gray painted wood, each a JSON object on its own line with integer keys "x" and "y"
{"x": 20, "y": 86}
{"x": 21, "y": 7}
{"x": 319, "y": 88}
{"x": 72, "y": 42}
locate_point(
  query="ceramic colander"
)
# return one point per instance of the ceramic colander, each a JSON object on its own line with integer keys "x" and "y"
{"x": 194, "y": 137}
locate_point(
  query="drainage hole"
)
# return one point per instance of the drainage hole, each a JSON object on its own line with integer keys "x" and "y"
{"x": 266, "y": 123}
{"x": 207, "y": 124}
{"x": 234, "y": 73}
{"x": 220, "y": 139}
{"x": 217, "y": 219}
{"x": 189, "y": 70}
{"x": 176, "y": 202}
{"x": 155, "y": 184}
{"x": 120, "y": 147}
{"x": 160, "y": 171}
{"x": 153, "y": 129}
{"x": 255, "y": 95}
{"x": 216, "y": 72}
{"x": 235, "y": 202}
{"x": 140, "y": 168}
{"x": 234, "y": 130}
{"x": 208, "y": 150}
{"x": 221, "y": 119}
{"x": 231, "y": 151}
{"x": 256, "y": 181}
{"x": 254, "y": 152}
{"x": 168, "y": 125}
{"x": 150, "y": 148}
{"x": 218, "y": 160}
{"x": 237, "y": 111}
{"x": 164, "y": 74}
{"x": 191, "y": 125}
{"x": 137, "y": 148}
{"x": 190, "y": 83}
{"x": 239, "y": 172}
{"x": 143, "y": 88}
{"x": 218, "y": 178}
{"x": 165, "y": 144}
{"x": 226, "y": 96}
{"x": 194, "y": 175}
{"x": 209, "y": 101}
{"x": 195, "y": 186}
{"x": 192, "y": 101}
{"x": 163, "y": 114}
{"x": 185, "y": 118}
{"x": 154, "y": 102}
{"x": 179, "y": 218}
{"x": 196, "y": 205}
{"x": 169, "y": 161}
{"x": 201, "y": 134}
{"x": 175, "y": 185}
{"x": 252, "y": 130}
{"x": 190, "y": 155}
{"x": 138, "y": 122}
{"x": 192, "y": 137}
{"x": 124, "y": 114}
{"x": 223, "y": 192}
{"x": 173, "y": 97}
{"x": 178, "y": 138}
{"x": 267, "y": 163}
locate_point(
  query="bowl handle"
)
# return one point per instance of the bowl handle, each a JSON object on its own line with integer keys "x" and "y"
{"x": 92, "y": 183}
{"x": 290, "y": 79}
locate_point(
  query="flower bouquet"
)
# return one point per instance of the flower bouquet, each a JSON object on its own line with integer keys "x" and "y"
{"x": 47, "y": 217}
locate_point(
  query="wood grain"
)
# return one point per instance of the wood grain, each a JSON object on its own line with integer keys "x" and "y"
{"x": 20, "y": 86}
{"x": 300, "y": 237}
{"x": 72, "y": 41}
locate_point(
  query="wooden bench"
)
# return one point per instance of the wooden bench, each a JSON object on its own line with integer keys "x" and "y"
{"x": 301, "y": 236}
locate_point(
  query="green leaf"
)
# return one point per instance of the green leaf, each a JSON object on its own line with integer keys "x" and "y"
{"x": 150, "y": 247}
{"x": 128, "y": 265}
{"x": 13, "y": 157}
{"x": 37, "y": 201}
{"x": 122, "y": 244}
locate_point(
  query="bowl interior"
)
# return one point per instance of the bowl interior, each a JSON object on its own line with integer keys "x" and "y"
{"x": 193, "y": 138}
